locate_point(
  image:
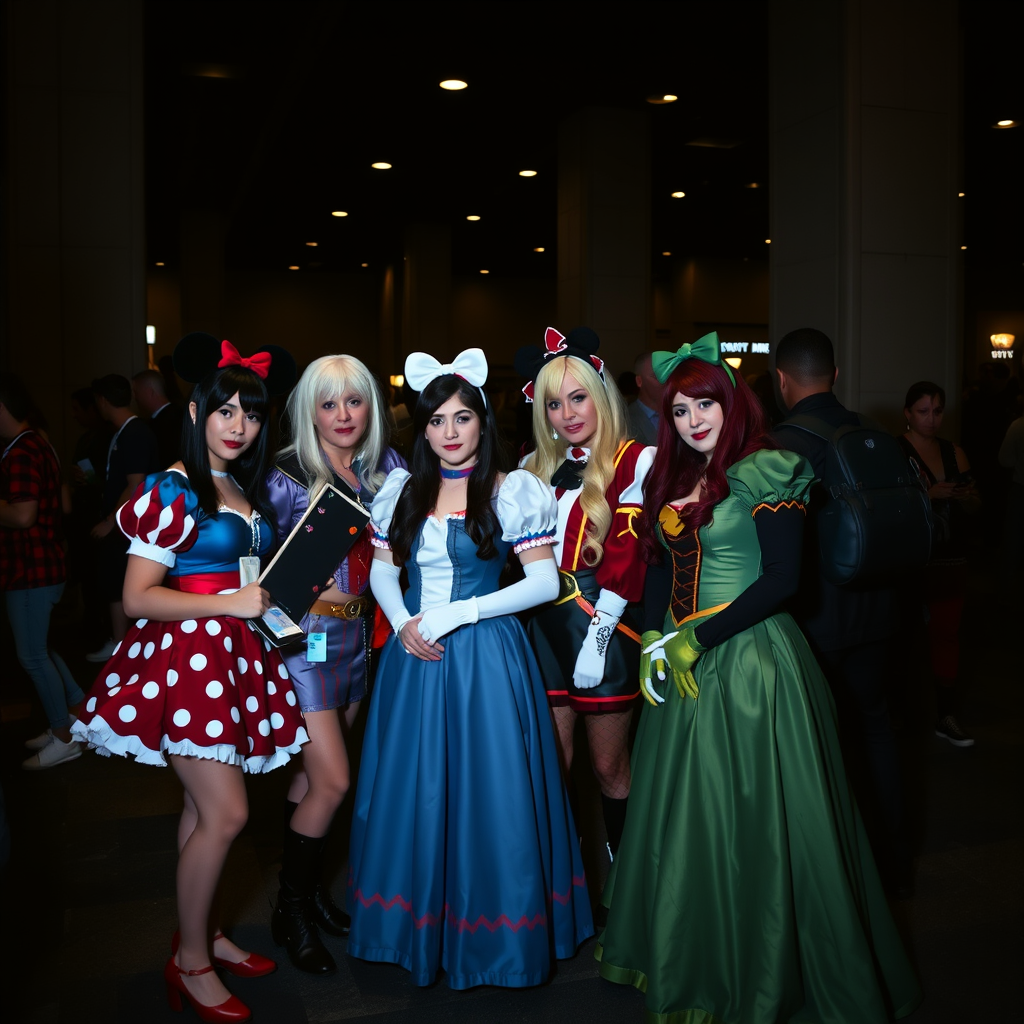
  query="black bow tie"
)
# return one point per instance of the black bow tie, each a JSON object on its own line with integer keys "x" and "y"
{"x": 569, "y": 475}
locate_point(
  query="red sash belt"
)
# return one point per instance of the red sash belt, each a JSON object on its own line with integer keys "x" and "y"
{"x": 204, "y": 582}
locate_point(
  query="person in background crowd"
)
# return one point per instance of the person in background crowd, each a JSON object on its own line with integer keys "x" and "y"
{"x": 87, "y": 474}
{"x": 947, "y": 475}
{"x": 584, "y": 640}
{"x": 744, "y": 889}
{"x": 32, "y": 570}
{"x": 642, "y": 415}
{"x": 464, "y": 854}
{"x": 338, "y": 427}
{"x": 850, "y": 628}
{"x": 131, "y": 455}
{"x": 164, "y": 419}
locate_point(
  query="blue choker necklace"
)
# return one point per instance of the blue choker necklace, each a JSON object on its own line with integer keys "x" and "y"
{"x": 456, "y": 474}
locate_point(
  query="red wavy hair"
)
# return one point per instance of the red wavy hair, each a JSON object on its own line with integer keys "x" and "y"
{"x": 678, "y": 467}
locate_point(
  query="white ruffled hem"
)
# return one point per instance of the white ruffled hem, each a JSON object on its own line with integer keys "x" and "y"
{"x": 106, "y": 742}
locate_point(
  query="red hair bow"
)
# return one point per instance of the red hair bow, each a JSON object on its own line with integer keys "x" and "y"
{"x": 258, "y": 363}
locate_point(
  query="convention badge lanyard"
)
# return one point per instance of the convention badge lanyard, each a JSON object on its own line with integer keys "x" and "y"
{"x": 249, "y": 565}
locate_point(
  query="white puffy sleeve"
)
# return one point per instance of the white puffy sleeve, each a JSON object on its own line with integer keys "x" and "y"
{"x": 382, "y": 511}
{"x": 527, "y": 511}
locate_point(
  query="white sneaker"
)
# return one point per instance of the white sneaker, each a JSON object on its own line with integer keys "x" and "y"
{"x": 54, "y": 753}
{"x": 45, "y": 738}
{"x": 103, "y": 654}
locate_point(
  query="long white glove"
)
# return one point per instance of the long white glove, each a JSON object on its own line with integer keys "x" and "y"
{"x": 590, "y": 661}
{"x": 388, "y": 592}
{"x": 540, "y": 585}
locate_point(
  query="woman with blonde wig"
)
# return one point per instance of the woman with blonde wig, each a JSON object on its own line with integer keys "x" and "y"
{"x": 584, "y": 640}
{"x": 338, "y": 425}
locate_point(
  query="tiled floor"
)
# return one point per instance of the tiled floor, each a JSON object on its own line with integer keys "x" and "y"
{"x": 88, "y": 896}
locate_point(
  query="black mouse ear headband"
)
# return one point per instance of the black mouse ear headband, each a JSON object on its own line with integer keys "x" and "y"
{"x": 581, "y": 342}
{"x": 198, "y": 354}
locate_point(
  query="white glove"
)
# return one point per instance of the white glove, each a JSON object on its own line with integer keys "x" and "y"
{"x": 440, "y": 621}
{"x": 540, "y": 585}
{"x": 590, "y": 661}
{"x": 388, "y": 592}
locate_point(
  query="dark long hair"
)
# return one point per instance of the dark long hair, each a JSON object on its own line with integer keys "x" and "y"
{"x": 419, "y": 497}
{"x": 249, "y": 469}
{"x": 678, "y": 468}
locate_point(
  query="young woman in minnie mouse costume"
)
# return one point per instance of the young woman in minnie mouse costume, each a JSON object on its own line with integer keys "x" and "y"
{"x": 587, "y": 645}
{"x": 191, "y": 685}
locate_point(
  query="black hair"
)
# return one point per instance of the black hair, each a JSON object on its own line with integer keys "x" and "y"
{"x": 15, "y": 397}
{"x": 85, "y": 398}
{"x": 249, "y": 469}
{"x": 115, "y": 389}
{"x": 924, "y": 387}
{"x": 419, "y": 497}
{"x": 806, "y": 354}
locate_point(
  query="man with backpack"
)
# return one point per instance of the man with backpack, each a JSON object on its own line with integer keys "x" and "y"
{"x": 850, "y": 625}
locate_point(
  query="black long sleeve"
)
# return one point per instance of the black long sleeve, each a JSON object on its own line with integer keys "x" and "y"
{"x": 657, "y": 593}
{"x": 779, "y": 535}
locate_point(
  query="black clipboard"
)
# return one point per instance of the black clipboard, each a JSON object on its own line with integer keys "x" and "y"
{"x": 296, "y": 574}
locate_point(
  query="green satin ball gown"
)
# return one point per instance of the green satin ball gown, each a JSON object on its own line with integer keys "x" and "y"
{"x": 744, "y": 891}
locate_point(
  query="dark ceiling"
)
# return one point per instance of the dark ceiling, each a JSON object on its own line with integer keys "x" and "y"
{"x": 308, "y": 95}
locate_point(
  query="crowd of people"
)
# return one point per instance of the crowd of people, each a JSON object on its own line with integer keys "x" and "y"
{"x": 671, "y": 594}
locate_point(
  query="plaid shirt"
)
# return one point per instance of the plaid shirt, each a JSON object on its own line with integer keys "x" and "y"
{"x": 29, "y": 471}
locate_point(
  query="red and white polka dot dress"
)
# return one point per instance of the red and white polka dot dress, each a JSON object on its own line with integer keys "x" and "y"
{"x": 204, "y": 687}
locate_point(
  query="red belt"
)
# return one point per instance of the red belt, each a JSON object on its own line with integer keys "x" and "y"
{"x": 204, "y": 582}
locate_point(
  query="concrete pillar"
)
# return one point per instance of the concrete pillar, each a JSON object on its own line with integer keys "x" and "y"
{"x": 202, "y": 271}
{"x": 75, "y": 305}
{"x": 865, "y": 172}
{"x": 427, "y": 291}
{"x": 604, "y": 230}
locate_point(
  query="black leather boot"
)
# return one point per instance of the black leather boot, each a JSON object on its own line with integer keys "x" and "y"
{"x": 329, "y": 915}
{"x": 293, "y": 924}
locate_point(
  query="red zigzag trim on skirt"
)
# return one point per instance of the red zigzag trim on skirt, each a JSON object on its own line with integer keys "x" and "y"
{"x": 460, "y": 923}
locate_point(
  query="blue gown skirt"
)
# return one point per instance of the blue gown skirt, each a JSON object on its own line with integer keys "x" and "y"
{"x": 464, "y": 854}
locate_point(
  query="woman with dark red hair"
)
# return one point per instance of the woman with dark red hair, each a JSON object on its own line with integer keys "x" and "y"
{"x": 744, "y": 889}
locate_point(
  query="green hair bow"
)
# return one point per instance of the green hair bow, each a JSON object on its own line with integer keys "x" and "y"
{"x": 706, "y": 349}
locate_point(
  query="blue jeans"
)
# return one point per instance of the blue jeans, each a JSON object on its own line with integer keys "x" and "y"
{"x": 29, "y": 612}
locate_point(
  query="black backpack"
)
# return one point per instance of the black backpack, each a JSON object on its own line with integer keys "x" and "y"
{"x": 877, "y": 519}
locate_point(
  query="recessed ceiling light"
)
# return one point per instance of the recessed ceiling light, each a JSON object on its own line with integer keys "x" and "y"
{"x": 767, "y": 241}
{"x": 473, "y": 216}
{"x": 484, "y": 271}
{"x": 539, "y": 248}
{"x": 293, "y": 267}
{"x": 1006, "y": 124}
{"x": 960, "y": 194}
{"x": 453, "y": 84}
{"x": 312, "y": 245}
{"x": 339, "y": 213}
{"x": 666, "y": 254}
{"x": 364, "y": 264}
{"x": 678, "y": 195}
{"x": 963, "y": 246}
{"x": 753, "y": 184}
{"x": 664, "y": 98}
{"x": 381, "y": 166}
{"x": 527, "y": 174}
{"x": 158, "y": 264}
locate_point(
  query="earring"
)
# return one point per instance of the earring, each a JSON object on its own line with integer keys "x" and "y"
{"x": 554, "y": 435}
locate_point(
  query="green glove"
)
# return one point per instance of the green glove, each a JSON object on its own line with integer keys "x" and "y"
{"x": 682, "y": 650}
{"x": 652, "y": 652}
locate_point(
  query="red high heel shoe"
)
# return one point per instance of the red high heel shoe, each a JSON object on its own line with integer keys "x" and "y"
{"x": 253, "y": 966}
{"x": 231, "y": 1011}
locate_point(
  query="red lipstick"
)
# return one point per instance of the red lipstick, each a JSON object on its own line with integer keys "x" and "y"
{"x": 701, "y": 435}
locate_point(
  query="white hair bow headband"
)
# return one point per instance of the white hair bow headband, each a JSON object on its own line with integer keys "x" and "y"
{"x": 471, "y": 365}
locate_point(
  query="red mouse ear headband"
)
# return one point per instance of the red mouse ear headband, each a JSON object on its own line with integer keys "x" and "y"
{"x": 581, "y": 342}
{"x": 198, "y": 354}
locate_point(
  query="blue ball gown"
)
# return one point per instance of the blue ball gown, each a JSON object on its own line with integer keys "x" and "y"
{"x": 464, "y": 855}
